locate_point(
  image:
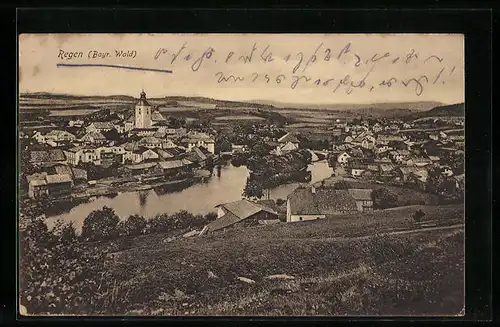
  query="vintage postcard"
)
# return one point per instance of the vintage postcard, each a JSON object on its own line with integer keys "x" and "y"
{"x": 241, "y": 174}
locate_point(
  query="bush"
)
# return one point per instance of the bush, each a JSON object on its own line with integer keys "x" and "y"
{"x": 100, "y": 225}
{"x": 280, "y": 202}
{"x": 383, "y": 198}
{"x": 418, "y": 215}
{"x": 211, "y": 216}
{"x": 59, "y": 275}
{"x": 134, "y": 226}
{"x": 159, "y": 224}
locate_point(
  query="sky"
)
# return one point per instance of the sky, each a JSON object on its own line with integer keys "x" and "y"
{"x": 384, "y": 63}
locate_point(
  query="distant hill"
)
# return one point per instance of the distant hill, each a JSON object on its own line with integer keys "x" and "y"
{"x": 452, "y": 110}
{"x": 413, "y": 106}
{"x": 49, "y": 101}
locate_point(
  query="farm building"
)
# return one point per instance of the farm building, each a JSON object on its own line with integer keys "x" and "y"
{"x": 242, "y": 212}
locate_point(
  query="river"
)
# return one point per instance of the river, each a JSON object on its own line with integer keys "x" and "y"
{"x": 200, "y": 198}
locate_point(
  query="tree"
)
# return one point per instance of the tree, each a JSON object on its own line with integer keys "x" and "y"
{"x": 211, "y": 216}
{"x": 341, "y": 185}
{"x": 65, "y": 232}
{"x": 158, "y": 224}
{"x": 418, "y": 215}
{"x": 253, "y": 189}
{"x": 280, "y": 202}
{"x": 134, "y": 225}
{"x": 100, "y": 225}
{"x": 383, "y": 198}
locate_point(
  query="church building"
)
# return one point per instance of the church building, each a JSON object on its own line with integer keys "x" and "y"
{"x": 143, "y": 112}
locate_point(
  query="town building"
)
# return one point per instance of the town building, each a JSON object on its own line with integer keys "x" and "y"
{"x": 199, "y": 139}
{"x": 53, "y": 186}
{"x": 143, "y": 113}
{"x": 310, "y": 203}
{"x": 101, "y": 127}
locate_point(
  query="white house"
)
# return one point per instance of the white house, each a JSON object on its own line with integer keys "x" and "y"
{"x": 343, "y": 157}
{"x": 197, "y": 139}
{"x": 59, "y": 136}
{"x": 101, "y": 127}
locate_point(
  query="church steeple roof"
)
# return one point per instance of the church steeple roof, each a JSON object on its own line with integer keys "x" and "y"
{"x": 142, "y": 100}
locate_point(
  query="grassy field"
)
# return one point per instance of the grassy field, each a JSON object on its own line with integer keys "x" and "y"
{"x": 342, "y": 266}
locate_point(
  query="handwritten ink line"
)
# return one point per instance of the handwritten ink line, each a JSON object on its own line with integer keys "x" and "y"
{"x": 117, "y": 66}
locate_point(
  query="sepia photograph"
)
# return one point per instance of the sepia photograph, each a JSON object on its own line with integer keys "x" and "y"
{"x": 241, "y": 174}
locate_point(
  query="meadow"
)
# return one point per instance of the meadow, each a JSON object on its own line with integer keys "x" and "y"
{"x": 367, "y": 264}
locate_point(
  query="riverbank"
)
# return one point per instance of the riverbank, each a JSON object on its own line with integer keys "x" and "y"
{"x": 133, "y": 186}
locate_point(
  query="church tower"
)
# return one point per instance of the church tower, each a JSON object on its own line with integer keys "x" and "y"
{"x": 143, "y": 112}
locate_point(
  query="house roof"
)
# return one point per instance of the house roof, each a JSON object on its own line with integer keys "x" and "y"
{"x": 171, "y": 164}
{"x": 63, "y": 170}
{"x": 142, "y": 100}
{"x": 144, "y": 165}
{"x": 58, "y": 178}
{"x": 141, "y": 149}
{"x": 47, "y": 155}
{"x": 103, "y": 125}
{"x": 36, "y": 176}
{"x": 238, "y": 211}
{"x": 79, "y": 173}
{"x": 225, "y": 221}
{"x": 323, "y": 201}
{"x": 288, "y": 146}
{"x": 38, "y": 182}
{"x": 245, "y": 208}
{"x": 386, "y": 167}
{"x": 150, "y": 140}
{"x": 157, "y": 116}
{"x": 95, "y": 135}
{"x": 75, "y": 149}
{"x": 289, "y": 137}
{"x": 57, "y": 132}
{"x": 164, "y": 153}
{"x": 197, "y": 155}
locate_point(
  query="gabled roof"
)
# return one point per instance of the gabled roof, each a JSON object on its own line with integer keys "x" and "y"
{"x": 63, "y": 170}
{"x": 47, "y": 156}
{"x": 79, "y": 173}
{"x": 141, "y": 150}
{"x": 165, "y": 154}
{"x": 324, "y": 201}
{"x": 238, "y": 211}
{"x": 56, "y": 179}
{"x": 150, "y": 140}
{"x": 144, "y": 165}
{"x": 57, "y": 132}
{"x": 288, "y": 138}
{"x": 225, "y": 221}
{"x": 171, "y": 164}
{"x": 196, "y": 154}
{"x": 94, "y": 135}
{"x": 288, "y": 146}
{"x": 157, "y": 116}
{"x": 103, "y": 125}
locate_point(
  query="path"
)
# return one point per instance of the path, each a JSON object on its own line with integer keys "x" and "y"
{"x": 410, "y": 231}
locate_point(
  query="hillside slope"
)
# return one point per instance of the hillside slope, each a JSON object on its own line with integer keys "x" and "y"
{"x": 333, "y": 267}
{"x": 452, "y": 110}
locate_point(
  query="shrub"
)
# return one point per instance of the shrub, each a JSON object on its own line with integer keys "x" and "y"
{"x": 280, "y": 202}
{"x": 100, "y": 225}
{"x": 158, "y": 224}
{"x": 383, "y": 198}
{"x": 134, "y": 225}
{"x": 211, "y": 216}
{"x": 418, "y": 215}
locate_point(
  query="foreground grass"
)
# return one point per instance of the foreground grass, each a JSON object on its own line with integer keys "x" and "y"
{"x": 418, "y": 273}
